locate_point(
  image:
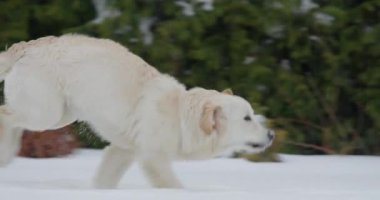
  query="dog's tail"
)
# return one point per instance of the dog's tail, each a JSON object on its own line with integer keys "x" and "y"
{"x": 6, "y": 63}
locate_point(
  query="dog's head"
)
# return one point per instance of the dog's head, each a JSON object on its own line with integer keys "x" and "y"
{"x": 220, "y": 121}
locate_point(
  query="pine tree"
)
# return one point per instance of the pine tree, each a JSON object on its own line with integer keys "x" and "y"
{"x": 311, "y": 66}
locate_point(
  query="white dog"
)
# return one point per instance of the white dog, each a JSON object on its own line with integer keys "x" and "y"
{"x": 146, "y": 116}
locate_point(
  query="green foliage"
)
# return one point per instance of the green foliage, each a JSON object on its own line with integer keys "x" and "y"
{"x": 13, "y": 22}
{"x": 315, "y": 73}
{"x": 25, "y": 20}
{"x": 87, "y": 138}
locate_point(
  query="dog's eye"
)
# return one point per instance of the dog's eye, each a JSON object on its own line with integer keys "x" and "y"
{"x": 247, "y": 118}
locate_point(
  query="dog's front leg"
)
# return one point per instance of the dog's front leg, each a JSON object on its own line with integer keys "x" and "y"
{"x": 114, "y": 164}
{"x": 159, "y": 171}
{"x": 10, "y": 137}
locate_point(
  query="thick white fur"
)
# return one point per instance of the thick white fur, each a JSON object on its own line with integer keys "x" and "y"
{"x": 147, "y": 116}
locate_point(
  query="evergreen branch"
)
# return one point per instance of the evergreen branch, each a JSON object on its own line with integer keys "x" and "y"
{"x": 312, "y": 146}
{"x": 300, "y": 121}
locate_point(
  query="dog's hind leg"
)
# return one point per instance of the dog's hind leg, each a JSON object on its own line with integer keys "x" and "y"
{"x": 114, "y": 164}
{"x": 10, "y": 137}
{"x": 34, "y": 101}
{"x": 159, "y": 171}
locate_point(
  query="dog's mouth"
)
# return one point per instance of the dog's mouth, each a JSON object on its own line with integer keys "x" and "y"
{"x": 246, "y": 148}
{"x": 256, "y": 145}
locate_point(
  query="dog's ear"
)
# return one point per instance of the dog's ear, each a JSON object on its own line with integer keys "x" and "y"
{"x": 211, "y": 117}
{"x": 228, "y": 91}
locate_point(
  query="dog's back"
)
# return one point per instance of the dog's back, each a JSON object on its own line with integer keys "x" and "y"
{"x": 53, "y": 81}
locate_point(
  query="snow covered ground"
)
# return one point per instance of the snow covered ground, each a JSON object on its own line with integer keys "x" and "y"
{"x": 298, "y": 177}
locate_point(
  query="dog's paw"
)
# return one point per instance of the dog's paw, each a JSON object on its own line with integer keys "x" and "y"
{"x": 6, "y": 157}
{"x": 5, "y": 162}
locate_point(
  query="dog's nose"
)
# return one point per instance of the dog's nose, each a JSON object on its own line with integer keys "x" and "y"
{"x": 271, "y": 135}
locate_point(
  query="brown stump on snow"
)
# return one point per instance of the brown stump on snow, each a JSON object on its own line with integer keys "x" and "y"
{"x": 50, "y": 143}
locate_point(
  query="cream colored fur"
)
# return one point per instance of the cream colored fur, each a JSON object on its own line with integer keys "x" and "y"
{"x": 147, "y": 116}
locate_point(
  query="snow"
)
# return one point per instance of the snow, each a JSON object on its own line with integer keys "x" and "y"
{"x": 297, "y": 177}
{"x": 207, "y": 4}
{"x": 277, "y": 5}
{"x": 307, "y": 5}
{"x": 314, "y": 38}
{"x": 123, "y": 29}
{"x": 145, "y": 28}
{"x": 285, "y": 64}
{"x": 261, "y": 87}
{"x": 248, "y": 60}
{"x": 103, "y": 11}
{"x": 187, "y": 8}
{"x": 276, "y": 31}
{"x": 323, "y": 18}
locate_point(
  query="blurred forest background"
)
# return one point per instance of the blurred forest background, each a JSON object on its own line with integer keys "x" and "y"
{"x": 311, "y": 66}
